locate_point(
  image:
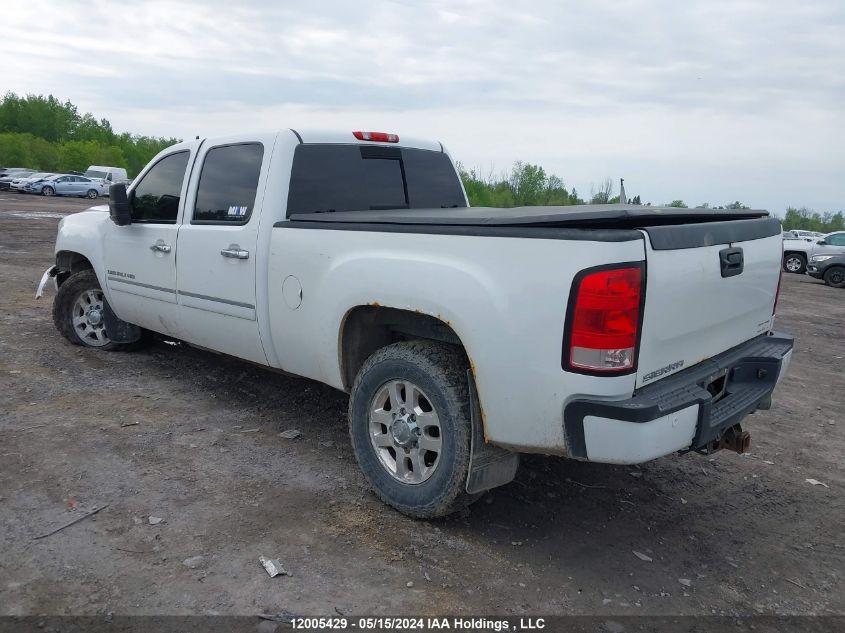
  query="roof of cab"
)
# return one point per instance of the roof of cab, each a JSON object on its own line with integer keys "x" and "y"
{"x": 323, "y": 136}
{"x": 346, "y": 138}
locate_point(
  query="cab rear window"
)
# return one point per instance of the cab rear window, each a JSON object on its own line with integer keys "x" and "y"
{"x": 327, "y": 178}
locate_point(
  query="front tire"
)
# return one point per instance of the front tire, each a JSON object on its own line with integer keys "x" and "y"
{"x": 409, "y": 421}
{"x": 795, "y": 263}
{"x": 92, "y": 194}
{"x": 78, "y": 312}
{"x": 835, "y": 277}
{"x": 48, "y": 191}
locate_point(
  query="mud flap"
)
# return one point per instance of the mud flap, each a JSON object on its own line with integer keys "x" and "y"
{"x": 119, "y": 331}
{"x": 489, "y": 466}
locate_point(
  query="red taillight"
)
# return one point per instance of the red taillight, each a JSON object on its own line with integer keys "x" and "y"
{"x": 605, "y": 322}
{"x": 381, "y": 137}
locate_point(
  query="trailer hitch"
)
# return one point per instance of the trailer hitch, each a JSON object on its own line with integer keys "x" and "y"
{"x": 735, "y": 439}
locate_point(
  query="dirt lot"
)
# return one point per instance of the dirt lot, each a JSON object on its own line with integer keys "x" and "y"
{"x": 192, "y": 438}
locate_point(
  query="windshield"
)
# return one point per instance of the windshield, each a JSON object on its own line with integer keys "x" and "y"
{"x": 93, "y": 173}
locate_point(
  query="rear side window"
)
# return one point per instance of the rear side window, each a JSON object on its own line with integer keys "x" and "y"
{"x": 329, "y": 178}
{"x": 155, "y": 199}
{"x": 228, "y": 183}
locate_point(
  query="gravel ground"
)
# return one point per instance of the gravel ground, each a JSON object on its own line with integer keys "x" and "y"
{"x": 193, "y": 439}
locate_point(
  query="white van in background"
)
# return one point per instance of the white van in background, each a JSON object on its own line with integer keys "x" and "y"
{"x": 108, "y": 174}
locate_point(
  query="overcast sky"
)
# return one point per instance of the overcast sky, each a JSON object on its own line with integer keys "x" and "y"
{"x": 708, "y": 101}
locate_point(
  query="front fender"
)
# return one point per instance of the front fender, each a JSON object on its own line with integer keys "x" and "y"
{"x": 83, "y": 233}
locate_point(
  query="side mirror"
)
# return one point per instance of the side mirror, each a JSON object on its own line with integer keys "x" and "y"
{"x": 120, "y": 210}
{"x": 822, "y": 241}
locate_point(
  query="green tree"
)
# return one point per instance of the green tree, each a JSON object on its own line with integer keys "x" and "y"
{"x": 47, "y": 134}
{"x": 15, "y": 150}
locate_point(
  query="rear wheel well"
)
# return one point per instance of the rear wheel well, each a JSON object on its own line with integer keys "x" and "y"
{"x": 68, "y": 263}
{"x": 367, "y": 329}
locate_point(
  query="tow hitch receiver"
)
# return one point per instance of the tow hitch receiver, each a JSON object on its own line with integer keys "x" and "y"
{"x": 735, "y": 439}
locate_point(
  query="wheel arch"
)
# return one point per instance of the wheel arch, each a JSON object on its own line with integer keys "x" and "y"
{"x": 70, "y": 262}
{"x": 367, "y": 328}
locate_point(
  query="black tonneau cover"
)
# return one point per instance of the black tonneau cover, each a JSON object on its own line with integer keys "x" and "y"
{"x": 668, "y": 228}
{"x": 585, "y": 216}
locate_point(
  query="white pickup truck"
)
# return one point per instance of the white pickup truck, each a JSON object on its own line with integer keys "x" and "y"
{"x": 464, "y": 336}
{"x": 800, "y": 251}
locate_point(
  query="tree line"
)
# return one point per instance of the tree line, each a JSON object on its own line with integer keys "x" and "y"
{"x": 530, "y": 185}
{"x": 808, "y": 220}
{"x": 49, "y": 135}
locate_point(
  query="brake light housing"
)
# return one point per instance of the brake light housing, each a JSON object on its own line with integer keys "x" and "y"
{"x": 604, "y": 320}
{"x": 378, "y": 137}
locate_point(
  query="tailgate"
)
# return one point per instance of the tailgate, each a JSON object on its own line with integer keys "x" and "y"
{"x": 709, "y": 287}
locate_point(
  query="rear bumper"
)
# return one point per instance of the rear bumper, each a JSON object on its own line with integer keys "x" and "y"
{"x": 679, "y": 413}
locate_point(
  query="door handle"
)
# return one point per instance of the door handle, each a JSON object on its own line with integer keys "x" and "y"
{"x": 160, "y": 247}
{"x": 235, "y": 252}
{"x": 731, "y": 261}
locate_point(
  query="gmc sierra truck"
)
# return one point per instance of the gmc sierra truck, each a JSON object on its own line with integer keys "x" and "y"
{"x": 464, "y": 336}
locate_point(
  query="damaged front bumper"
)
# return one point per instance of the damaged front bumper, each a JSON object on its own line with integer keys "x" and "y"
{"x": 50, "y": 273}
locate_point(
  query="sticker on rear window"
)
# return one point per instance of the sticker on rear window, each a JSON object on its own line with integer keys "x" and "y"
{"x": 237, "y": 211}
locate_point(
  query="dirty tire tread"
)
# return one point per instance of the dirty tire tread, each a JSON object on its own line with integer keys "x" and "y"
{"x": 446, "y": 366}
{"x": 63, "y": 304}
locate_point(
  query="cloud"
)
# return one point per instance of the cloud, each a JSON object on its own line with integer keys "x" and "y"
{"x": 705, "y": 100}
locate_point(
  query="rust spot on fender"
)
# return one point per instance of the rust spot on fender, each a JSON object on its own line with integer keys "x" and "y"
{"x": 483, "y": 422}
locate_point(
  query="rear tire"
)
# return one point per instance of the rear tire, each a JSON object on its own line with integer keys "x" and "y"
{"x": 48, "y": 191}
{"x": 78, "y": 313}
{"x": 795, "y": 263}
{"x": 835, "y": 277}
{"x": 401, "y": 395}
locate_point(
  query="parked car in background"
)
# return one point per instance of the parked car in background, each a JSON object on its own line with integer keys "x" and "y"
{"x": 19, "y": 184}
{"x": 68, "y": 185}
{"x": 831, "y": 268}
{"x": 12, "y": 174}
{"x": 108, "y": 174}
{"x": 805, "y": 235}
{"x": 798, "y": 251}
